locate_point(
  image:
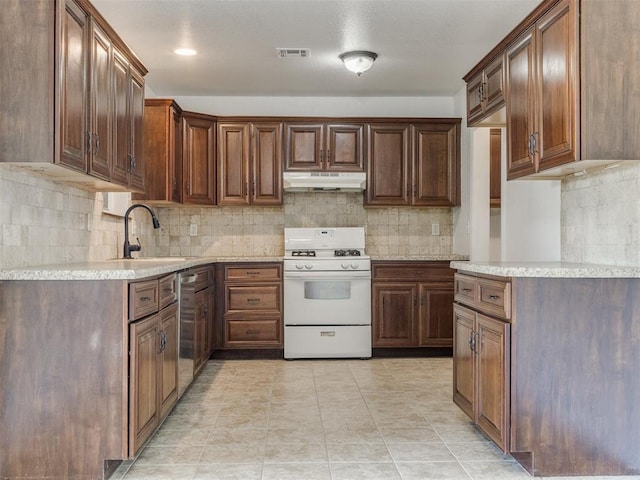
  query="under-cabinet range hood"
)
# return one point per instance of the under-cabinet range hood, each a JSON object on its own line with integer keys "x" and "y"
{"x": 324, "y": 181}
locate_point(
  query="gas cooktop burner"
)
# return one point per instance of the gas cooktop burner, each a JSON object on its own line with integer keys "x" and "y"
{"x": 303, "y": 253}
{"x": 347, "y": 253}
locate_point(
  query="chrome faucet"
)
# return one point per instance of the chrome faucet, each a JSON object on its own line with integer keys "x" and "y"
{"x": 128, "y": 248}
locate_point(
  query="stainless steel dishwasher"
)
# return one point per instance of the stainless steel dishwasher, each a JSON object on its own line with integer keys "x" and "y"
{"x": 195, "y": 314}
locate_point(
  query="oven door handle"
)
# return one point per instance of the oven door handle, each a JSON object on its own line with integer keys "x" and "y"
{"x": 346, "y": 275}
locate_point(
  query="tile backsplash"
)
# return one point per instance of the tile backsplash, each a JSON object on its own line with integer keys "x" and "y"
{"x": 44, "y": 222}
{"x": 249, "y": 231}
{"x": 600, "y": 220}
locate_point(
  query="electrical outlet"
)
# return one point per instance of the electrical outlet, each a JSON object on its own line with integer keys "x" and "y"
{"x": 193, "y": 230}
{"x": 89, "y": 222}
{"x": 435, "y": 229}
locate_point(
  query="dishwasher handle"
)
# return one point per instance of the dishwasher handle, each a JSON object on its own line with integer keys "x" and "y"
{"x": 189, "y": 278}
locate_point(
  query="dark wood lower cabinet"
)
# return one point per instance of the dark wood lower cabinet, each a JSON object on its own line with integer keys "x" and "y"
{"x": 412, "y": 304}
{"x": 547, "y": 368}
{"x": 250, "y": 306}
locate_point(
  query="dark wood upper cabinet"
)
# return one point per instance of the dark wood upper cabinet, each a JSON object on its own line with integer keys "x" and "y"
{"x": 541, "y": 94}
{"x": 414, "y": 164}
{"x": 233, "y": 163}
{"x": 485, "y": 92}
{"x": 324, "y": 146}
{"x": 162, "y": 151}
{"x": 569, "y": 80}
{"x": 101, "y": 121}
{"x": 436, "y": 164}
{"x": 198, "y": 159}
{"x": 266, "y": 163}
{"x": 63, "y": 83}
{"x": 74, "y": 88}
{"x": 388, "y": 164}
{"x": 250, "y": 163}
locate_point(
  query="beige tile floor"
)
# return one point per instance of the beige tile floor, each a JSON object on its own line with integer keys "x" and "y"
{"x": 388, "y": 419}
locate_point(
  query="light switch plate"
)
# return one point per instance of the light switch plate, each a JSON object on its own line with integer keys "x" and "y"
{"x": 435, "y": 229}
{"x": 193, "y": 230}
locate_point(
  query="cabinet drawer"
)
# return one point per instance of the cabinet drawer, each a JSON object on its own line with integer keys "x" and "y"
{"x": 494, "y": 297}
{"x": 255, "y": 273}
{"x": 265, "y": 331}
{"x": 465, "y": 289}
{"x": 412, "y": 272}
{"x": 168, "y": 294}
{"x": 143, "y": 299}
{"x": 253, "y": 298}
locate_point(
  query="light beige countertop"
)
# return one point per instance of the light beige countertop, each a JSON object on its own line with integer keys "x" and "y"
{"x": 547, "y": 269}
{"x": 419, "y": 258}
{"x": 119, "y": 269}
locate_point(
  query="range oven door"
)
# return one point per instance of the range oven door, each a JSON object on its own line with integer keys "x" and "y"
{"x": 327, "y": 298}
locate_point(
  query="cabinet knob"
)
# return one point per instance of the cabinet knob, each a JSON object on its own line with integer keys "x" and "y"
{"x": 466, "y": 290}
{"x": 494, "y": 297}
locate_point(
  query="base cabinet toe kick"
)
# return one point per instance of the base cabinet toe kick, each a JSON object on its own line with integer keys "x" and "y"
{"x": 547, "y": 368}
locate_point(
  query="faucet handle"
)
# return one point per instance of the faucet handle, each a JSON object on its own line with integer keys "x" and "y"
{"x": 136, "y": 248}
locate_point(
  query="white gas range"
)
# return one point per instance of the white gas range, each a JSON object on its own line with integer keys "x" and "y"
{"x": 327, "y": 293}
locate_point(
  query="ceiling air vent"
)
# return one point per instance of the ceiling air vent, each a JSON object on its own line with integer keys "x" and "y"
{"x": 293, "y": 52}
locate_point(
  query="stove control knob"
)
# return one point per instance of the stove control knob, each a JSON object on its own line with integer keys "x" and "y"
{"x": 354, "y": 266}
{"x": 345, "y": 266}
{"x": 299, "y": 266}
{"x": 308, "y": 266}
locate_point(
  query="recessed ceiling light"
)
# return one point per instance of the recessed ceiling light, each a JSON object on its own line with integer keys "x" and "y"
{"x": 187, "y": 52}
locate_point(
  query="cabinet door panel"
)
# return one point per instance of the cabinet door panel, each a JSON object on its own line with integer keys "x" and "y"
{"x": 168, "y": 388}
{"x": 74, "y": 91}
{"x": 135, "y": 121}
{"x": 394, "y": 313}
{"x": 345, "y": 147}
{"x": 436, "y": 315}
{"x": 233, "y": 164}
{"x": 463, "y": 359}
{"x": 557, "y": 52}
{"x": 494, "y": 85}
{"x": 143, "y": 381}
{"x": 388, "y": 179}
{"x": 303, "y": 146}
{"x": 475, "y": 109}
{"x": 520, "y": 107}
{"x": 266, "y": 188}
{"x": 492, "y": 410}
{"x": 101, "y": 95}
{"x": 435, "y": 173}
{"x": 122, "y": 156}
{"x": 198, "y": 161}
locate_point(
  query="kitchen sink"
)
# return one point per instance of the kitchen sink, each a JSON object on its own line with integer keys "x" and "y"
{"x": 152, "y": 259}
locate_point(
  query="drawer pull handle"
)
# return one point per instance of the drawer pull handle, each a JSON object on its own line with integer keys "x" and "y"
{"x": 331, "y": 333}
{"x": 167, "y": 290}
{"x": 466, "y": 290}
{"x": 253, "y": 300}
{"x": 494, "y": 297}
{"x": 145, "y": 299}
{"x": 252, "y": 273}
{"x": 251, "y": 331}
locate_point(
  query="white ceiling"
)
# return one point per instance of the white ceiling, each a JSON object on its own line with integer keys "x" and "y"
{"x": 424, "y": 46}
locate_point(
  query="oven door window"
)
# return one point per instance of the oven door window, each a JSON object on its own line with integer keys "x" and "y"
{"x": 327, "y": 290}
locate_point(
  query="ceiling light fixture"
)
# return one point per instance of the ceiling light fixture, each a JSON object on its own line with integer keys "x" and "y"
{"x": 185, "y": 52}
{"x": 358, "y": 61}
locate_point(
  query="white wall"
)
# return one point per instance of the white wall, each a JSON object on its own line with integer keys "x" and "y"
{"x": 531, "y": 220}
{"x": 461, "y": 227}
